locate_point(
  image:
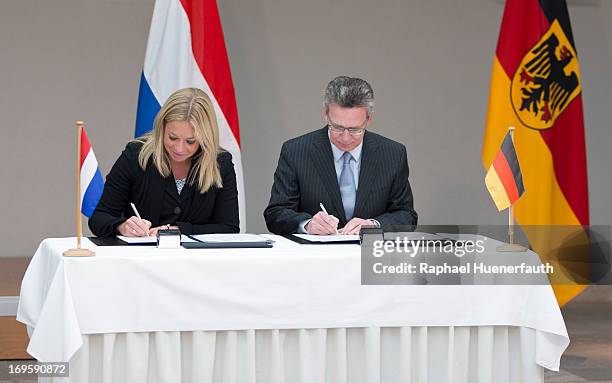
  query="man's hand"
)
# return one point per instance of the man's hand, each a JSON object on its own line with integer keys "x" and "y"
{"x": 134, "y": 227}
{"x": 322, "y": 224}
{"x": 354, "y": 225}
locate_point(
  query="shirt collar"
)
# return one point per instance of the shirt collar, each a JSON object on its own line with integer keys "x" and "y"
{"x": 356, "y": 153}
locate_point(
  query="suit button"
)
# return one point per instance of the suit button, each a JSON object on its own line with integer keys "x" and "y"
{"x": 177, "y": 210}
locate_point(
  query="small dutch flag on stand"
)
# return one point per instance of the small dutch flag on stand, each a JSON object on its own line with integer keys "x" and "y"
{"x": 89, "y": 187}
{"x": 91, "y": 183}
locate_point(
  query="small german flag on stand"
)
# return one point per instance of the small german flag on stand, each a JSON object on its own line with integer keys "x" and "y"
{"x": 504, "y": 179}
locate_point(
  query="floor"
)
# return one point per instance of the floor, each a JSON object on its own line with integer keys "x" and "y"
{"x": 589, "y": 355}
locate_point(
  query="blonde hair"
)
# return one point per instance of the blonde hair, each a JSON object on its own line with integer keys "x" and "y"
{"x": 194, "y": 106}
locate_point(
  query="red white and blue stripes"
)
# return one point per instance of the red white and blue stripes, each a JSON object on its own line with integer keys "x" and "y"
{"x": 186, "y": 48}
{"x": 91, "y": 179}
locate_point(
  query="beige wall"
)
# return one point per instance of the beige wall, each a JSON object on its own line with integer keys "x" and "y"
{"x": 428, "y": 60}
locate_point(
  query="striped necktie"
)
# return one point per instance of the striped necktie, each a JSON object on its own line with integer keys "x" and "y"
{"x": 348, "y": 190}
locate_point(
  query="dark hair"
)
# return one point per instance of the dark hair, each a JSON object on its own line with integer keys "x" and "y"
{"x": 349, "y": 92}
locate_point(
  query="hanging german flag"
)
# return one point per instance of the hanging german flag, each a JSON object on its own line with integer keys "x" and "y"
{"x": 536, "y": 87}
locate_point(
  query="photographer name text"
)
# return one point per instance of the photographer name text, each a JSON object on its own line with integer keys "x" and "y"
{"x": 467, "y": 268}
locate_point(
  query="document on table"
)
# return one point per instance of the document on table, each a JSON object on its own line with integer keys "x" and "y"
{"x": 138, "y": 240}
{"x": 230, "y": 238}
{"x": 328, "y": 238}
{"x": 149, "y": 240}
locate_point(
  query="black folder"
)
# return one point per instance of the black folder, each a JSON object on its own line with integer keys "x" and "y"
{"x": 198, "y": 244}
{"x": 303, "y": 241}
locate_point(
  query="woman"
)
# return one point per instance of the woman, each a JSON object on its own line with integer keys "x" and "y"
{"x": 177, "y": 176}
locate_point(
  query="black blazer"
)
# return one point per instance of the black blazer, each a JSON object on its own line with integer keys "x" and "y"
{"x": 215, "y": 211}
{"x": 306, "y": 176}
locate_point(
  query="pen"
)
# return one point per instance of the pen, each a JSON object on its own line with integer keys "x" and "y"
{"x": 325, "y": 211}
{"x": 136, "y": 212}
{"x": 323, "y": 208}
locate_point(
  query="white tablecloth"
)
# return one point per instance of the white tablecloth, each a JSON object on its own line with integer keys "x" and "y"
{"x": 138, "y": 289}
{"x": 482, "y": 354}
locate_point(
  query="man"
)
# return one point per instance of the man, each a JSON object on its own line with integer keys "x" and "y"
{"x": 341, "y": 177}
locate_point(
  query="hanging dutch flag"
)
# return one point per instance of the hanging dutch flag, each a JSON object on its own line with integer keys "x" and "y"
{"x": 91, "y": 179}
{"x": 186, "y": 48}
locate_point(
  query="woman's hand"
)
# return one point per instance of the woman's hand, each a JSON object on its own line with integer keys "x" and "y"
{"x": 153, "y": 231}
{"x": 134, "y": 227}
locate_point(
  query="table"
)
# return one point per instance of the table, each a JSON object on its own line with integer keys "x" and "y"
{"x": 287, "y": 314}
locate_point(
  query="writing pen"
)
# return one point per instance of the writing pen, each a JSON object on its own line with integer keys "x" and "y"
{"x": 325, "y": 211}
{"x": 137, "y": 214}
{"x": 323, "y": 208}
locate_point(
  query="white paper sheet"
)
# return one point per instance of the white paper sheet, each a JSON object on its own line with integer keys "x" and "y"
{"x": 185, "y": 239}
{"x": 137, "y": 240}
{"x": 146, "y": 240}
{"x": 328, "y": 238}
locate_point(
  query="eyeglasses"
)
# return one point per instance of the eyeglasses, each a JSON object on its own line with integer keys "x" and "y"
{"x": 338, "y": 129}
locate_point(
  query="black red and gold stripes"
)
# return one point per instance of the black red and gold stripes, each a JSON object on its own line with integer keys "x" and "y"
{"x": 504, "y": 179}
{"x": 536, "y": 87}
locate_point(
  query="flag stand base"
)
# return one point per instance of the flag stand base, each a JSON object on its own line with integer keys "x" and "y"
{"x": 511, "y": 248}
{"x": 79, "y": 252}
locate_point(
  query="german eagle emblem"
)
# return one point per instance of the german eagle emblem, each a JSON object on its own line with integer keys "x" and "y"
{"x": 546, "y": 81}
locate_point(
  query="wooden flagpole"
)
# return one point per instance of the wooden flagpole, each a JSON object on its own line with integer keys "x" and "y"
{"x": 79, "y": 251}
{"x": 511, "y": 246}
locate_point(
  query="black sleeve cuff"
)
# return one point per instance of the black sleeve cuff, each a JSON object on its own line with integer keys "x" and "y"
{"x": 185, "y": 227}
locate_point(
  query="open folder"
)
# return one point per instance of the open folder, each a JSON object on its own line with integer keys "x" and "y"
{"x": 226, "y": 241}
{"x": 310, "y": 239}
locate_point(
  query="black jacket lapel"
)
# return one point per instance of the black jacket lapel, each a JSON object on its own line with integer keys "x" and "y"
{"x": 367, "y": 173}
{"x": 154, "y": 194}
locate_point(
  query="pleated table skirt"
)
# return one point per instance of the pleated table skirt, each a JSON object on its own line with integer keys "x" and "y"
{"x": 355, "y": 355}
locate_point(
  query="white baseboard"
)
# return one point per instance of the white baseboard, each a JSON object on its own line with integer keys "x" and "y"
{"x": 8, "y": 306}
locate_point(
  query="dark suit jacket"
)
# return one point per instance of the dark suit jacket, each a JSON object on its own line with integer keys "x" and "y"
{"x": 306, "y": 176}
{"x": 215, "y": 211}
